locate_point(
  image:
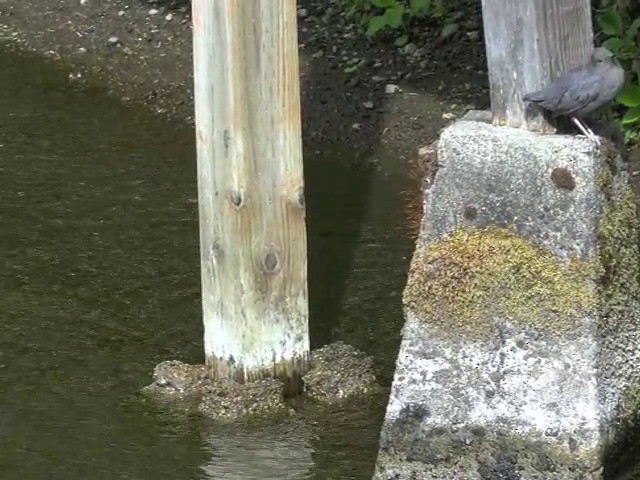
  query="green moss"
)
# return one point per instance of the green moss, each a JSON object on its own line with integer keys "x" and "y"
{"x": 604, "y": 178}
{"x": 630, "y": 405}
{"x": 618, "y": 248}
{"x": 480, "y": 449}
{"x": 461, "y": 281}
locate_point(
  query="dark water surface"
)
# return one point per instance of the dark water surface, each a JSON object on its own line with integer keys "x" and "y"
{"x": 100, "y": 282}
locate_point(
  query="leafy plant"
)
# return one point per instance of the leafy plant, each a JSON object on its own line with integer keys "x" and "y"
{"x": 619, "y": 23}
{"x": 394, "y": 15}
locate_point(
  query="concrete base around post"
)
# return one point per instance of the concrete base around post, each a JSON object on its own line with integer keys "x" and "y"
{"x": 519, "y": 357}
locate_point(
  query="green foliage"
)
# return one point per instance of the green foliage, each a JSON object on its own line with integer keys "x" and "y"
{"x": 619, "y": 22}
{"x": 394, "y": 15}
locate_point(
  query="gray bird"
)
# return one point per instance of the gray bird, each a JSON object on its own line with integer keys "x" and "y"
{"x": 582, "y": 90}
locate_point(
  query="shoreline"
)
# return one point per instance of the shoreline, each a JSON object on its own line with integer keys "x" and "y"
{"x": 142, "y": 54}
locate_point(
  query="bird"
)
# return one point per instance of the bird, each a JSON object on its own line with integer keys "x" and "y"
{"x": 582, "y": 90}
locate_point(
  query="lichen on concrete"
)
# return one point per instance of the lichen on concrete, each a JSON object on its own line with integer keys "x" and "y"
{"x": 619, "y": 314}
{"x": 462, "y": 280}
{"x": 444, "y": 452}
{"x": 505, "y": 328}
{"x": 618, "y": 244}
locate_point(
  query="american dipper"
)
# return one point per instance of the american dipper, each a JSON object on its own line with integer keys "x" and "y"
{"x": 582, "y": 90}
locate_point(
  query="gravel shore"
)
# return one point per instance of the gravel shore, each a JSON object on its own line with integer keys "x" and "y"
{"x": 356, "y": 92}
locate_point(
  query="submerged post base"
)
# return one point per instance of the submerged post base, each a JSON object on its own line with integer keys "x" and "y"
{"x": 520, "y": 306}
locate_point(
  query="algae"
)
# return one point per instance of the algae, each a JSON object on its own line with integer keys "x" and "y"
{"x": 618, "y": 248}
{"x": 619, "y": 308}
{"x": 475, "y": 448}
{"x": 463, "y": 280}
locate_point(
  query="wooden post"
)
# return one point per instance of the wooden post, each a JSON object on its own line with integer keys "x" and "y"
{"x": 528, "y": 44}
{"x": 251, "y": 190}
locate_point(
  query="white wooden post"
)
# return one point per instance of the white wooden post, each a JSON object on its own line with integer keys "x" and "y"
{"x": 251, "y": 189}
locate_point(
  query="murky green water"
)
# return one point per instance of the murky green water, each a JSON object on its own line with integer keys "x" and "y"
{"x": 101, "y": 282}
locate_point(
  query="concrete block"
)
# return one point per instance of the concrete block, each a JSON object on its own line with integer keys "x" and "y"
{"x": 520, "y": 348}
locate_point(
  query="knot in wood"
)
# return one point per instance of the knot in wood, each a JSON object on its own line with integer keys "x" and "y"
{"x": 299, "y": 196}
{"x": 271, "y": 259}
{"x": 236, "y": 198}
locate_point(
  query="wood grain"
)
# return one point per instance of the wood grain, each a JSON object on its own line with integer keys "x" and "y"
{"x": 529, "y": 43}
{"x": 251, "y": 189}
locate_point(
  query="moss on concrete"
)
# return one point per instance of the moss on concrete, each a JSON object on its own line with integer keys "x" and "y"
{"x": 619, "y": 254}
{"x": 618, "y": 246}
{"x": 604, "y": 178}
{"x": 464, "y": 279}
{"x": 492, "y": 453}
{"x": 628, "y": 410}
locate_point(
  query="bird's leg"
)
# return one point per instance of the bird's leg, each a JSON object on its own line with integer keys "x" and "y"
{"x": 586, "y": 131}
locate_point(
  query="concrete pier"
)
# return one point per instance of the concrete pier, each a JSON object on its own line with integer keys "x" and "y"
{"x": 520, "y": 347}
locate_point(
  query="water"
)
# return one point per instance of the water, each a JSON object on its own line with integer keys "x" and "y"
{"x": 101, "y": 282}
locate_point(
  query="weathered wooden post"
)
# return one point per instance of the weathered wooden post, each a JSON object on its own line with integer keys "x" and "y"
{"x": 516, "y": 359}
{"x": 528, "y": 44}
{"x": 251, "y": 189}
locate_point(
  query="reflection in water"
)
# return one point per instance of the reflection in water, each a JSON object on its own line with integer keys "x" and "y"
{"x": 273, "y": 452}
{"x": 101, "y": 282}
